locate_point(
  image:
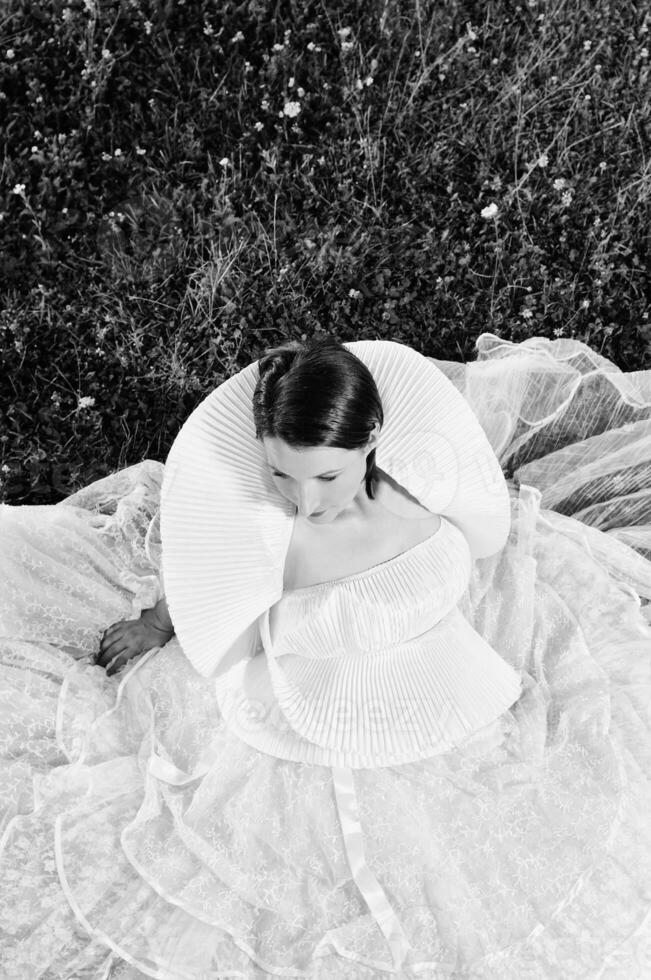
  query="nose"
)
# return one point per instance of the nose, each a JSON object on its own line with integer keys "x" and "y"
{"x": 307, "y": 503}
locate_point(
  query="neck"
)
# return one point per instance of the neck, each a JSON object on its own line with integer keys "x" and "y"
{"x": 358, "y": 507}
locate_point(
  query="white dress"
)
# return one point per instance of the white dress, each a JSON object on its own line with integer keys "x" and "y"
{"x": 145, "y": 837}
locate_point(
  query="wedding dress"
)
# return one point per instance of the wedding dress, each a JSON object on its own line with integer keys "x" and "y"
{"x": 145, "y": 833}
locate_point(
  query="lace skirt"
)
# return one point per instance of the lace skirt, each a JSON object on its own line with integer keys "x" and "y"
{"x": 524, "y": 852}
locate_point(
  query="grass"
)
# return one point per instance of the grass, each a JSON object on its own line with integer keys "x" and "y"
{"x": 186, "y": 183}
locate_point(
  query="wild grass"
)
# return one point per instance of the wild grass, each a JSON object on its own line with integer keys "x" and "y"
{"x": 186, "y": 183}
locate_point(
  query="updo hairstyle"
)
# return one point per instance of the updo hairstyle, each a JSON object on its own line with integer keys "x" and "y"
{"x": 317, "y": 393}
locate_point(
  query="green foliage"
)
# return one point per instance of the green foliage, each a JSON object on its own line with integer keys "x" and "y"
{"x": 187, "y": 183}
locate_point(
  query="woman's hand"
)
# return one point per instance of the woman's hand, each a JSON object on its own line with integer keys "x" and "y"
{"x": 128, "y": 638}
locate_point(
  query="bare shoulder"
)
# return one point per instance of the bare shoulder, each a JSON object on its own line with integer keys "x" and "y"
{"x": 395, "y": 498}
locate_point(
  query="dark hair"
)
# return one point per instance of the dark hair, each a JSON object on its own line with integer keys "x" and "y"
{"x": 317, "y": 393}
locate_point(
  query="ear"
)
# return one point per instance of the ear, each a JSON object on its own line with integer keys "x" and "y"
{"x": 373, "y": 438}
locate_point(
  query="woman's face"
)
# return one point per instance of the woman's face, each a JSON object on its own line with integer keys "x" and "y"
{"x": 320, "y": 480}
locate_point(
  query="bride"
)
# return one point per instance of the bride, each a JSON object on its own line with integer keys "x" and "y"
{"x": 379, "y": 708}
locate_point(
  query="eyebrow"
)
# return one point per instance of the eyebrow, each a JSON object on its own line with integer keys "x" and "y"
{"x": 327, "y": 473}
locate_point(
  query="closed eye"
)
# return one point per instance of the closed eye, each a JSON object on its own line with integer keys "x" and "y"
{"x": 328, "y": 479}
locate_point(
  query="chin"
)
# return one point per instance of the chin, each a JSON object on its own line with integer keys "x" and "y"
{"x": 330, "y": 514}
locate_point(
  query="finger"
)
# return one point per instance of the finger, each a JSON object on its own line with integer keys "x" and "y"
{"x": 119, "y": 662}
{"x": 115, "y": 649}
{"x": 110, "y": 641}
{"x": 114, "y": 633}
{"x": 119, "y": 640}
{"x": 113, "y": 627}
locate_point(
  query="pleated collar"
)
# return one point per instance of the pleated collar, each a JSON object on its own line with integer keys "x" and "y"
{"x": 225, "y": 528}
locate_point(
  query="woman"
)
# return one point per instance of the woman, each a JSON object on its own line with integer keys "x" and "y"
{"x": 402, "y": 725}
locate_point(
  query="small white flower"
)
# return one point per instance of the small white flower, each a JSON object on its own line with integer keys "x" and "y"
{"x": 237, "y": 37}
{"x": 603, "y": 166}
{"x": 148, "y": 26}
{"x": 64, "y": 210}
{"x": 472, "y": 34}
{"x": 566, "y": 198}
{"x": 526, "y": 314}
{"x": 368, "y": 80}
{"x": 5, "y": 468}
{"x": 291, "y": 109}
{"x": 106, "y": 156}
{"x": 140, "y": 151}
{"x": 264, "y": 104}
{"x": 300, "y": 91}
{"x": 18, "y": 189}
{"x": 585, "y": 304}
{"x": 278, "y": 47}
{"x": 560, "y": 183}
{"x": 208, "y": 31}
{"x": 558, "y": 331}
{"x": 117, "y": 153}
{"x": 542, "y": 160}
{"x": 11, "y": 54}
{"x": 354, "y": 293}
{"x": 347, "y": 45}
{"x": 587, "y": 45}
{"x": 311, "y": 46}
{"x": 106, "y": 53}
{"x": 343, "y": 32}
{"x": 490, "y": 211}
{"x": 224, "y": 162}
{"x": 258, "y": 126}
{"x": 86, "y": 402}
{"x": 290, "y": 83}
{"x": 37, "y": 134}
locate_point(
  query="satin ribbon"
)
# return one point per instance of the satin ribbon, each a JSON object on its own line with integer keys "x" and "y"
{"x": 346, "y": 803}
{"x": 369, "y": 886}
{"x": 167, "y": 772}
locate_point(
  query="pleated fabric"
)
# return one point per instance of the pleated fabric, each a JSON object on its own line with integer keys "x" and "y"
{"x": 376, "y": 668}
{"x": 226, "y": 529}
